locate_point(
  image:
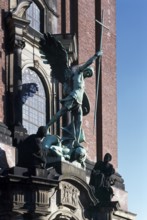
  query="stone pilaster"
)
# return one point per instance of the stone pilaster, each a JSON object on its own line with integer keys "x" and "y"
{"x": 16, "y": 25}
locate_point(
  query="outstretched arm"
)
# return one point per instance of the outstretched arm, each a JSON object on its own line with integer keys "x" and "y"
{"x": 90, "y": 61}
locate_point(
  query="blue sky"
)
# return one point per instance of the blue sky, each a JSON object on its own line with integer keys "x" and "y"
{"x": 132, "y": 101}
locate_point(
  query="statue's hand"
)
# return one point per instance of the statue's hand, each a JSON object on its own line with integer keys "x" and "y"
{"x": 99, "y": 53}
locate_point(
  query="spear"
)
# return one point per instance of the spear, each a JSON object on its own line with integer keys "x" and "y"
{"x": 99, "y": 64}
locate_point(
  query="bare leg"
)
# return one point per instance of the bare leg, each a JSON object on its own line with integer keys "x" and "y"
{"x": 78, "y": 115}
{"x": 60, "y": 113}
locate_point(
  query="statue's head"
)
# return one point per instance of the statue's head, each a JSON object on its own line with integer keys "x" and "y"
{"x": 80, "y": 154}
{"x": 42, "y": 131}
{"x": 88, "y": 72}
{"x": 107, "y": 157}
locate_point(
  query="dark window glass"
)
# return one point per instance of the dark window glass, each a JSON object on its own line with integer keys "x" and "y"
{"x": 34, "y": 107}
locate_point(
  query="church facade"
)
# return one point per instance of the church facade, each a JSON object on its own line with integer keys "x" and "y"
{"x": 29, "y": 97}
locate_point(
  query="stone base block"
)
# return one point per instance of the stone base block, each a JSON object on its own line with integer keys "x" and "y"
{"x": 122, "y": 197}
{"x": 18, "y": 171}
{"x": 21, "y": 171}
{"x": 8, "y": 156}
{"x": 64, "y": 167}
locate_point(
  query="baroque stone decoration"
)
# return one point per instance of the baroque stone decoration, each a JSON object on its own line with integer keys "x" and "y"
{"x": 69, "y": 195}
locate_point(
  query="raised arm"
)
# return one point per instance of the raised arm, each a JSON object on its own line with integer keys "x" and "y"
{"x": 90, "y": 61}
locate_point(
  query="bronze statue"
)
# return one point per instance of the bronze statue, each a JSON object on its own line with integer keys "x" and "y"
{"x": 54, "y": 146}
{"x": 72, "y": 79}
{"x": 30, "y": 152}
{"x": 35, "y": 151}
{"x": 101, "y": 178}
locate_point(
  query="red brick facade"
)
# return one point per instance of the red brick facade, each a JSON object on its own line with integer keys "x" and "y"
{"x": 87, "y": 48}
{"x": 109, "y": 104}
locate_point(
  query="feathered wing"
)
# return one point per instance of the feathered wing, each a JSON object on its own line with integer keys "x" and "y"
{"x": 56, "y": 56}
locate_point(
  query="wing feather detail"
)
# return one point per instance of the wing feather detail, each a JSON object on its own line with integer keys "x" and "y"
{"x": 56, "y": 55}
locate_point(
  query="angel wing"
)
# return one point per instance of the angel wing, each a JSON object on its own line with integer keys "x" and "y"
{"x": 56, "y": 56}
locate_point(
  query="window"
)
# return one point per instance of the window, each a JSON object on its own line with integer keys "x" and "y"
{"x": 34, "y": 15}
{"x": 34, "y": 101}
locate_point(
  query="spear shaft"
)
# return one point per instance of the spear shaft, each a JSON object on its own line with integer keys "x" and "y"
{"x": 99, "y": 67}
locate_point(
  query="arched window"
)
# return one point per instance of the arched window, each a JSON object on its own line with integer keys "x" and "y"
{"x": 34, "y": 101}
{"x": 34, "y": 15}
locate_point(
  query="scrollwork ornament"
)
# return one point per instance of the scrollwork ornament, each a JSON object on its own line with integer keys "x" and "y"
{"x": 19, "y": 44}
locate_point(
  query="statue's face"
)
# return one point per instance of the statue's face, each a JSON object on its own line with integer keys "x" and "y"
{"x": 107, "y": 157}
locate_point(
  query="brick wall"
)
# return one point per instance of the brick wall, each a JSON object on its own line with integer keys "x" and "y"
{"x": 109, "y": 103}
{"x": 3, "y": 8}
{"x": 86, "y": 49}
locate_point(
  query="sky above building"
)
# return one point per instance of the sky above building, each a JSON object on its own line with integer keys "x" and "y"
{"x": 132, "y": 101}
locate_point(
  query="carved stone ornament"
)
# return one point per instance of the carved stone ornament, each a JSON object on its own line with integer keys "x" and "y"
{"x": 19, "y": 43}
{"x": 16, "y": 25}
{"x": 21, "y": 8}
{"x": 65, "y": 215}
{"x": 69, "y": 195}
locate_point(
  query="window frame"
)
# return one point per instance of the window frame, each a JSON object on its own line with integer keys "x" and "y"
{"x": 41, "y": 9}
{"x": 46, "y": 90}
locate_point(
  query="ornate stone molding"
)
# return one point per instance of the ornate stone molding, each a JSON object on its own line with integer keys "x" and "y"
{"x": 19, "y": 43}
{"x": 23, "y": 194}
{"x": 21, "y": 8}
{"x": 69, "y": 195}
{"x": 63, "y": 215}
{"x": 17, "y": 24}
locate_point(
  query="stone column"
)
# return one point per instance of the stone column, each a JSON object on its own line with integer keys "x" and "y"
{"x": 16, "y": 25}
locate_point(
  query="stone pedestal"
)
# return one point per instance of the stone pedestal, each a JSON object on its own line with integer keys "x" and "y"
{"x": 8, "y": 157}
{"x": 103, "y": 211}
{"x": 25, "y": 196}
{"x": 19, "y": 134}
{"x": 5, "y": 134}
{"x": 64, "y": 167}
{"x": 37, "y": 172}
{"x": 8, "y": 154}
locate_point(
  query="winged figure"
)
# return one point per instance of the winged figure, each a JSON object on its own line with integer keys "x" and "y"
{"x": 72, "y": 78}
